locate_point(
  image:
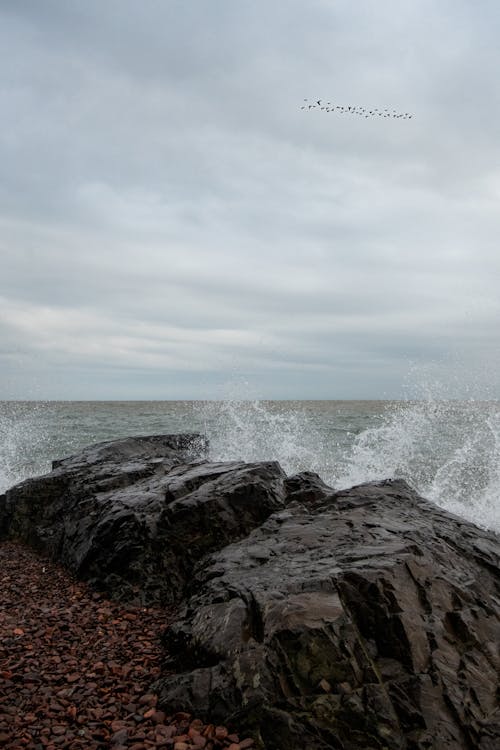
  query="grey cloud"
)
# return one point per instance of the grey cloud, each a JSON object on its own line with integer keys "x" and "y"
{"x": 157, "y": 170}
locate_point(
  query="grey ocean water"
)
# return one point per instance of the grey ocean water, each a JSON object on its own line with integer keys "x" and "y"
{"x": 448, "y": 450}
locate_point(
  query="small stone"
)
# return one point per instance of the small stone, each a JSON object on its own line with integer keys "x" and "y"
{"x": 221, "y": 733}
{"x": 325, "y": 686}
{"x": 149, "y": 699}
{"x": 166, "y": 732}
{"x": 117, "y": 724}
{"x": 139, "y": 735}
{"x": 182, "y": 716}
{"x": 120, "y": 737}
{"x": 197, "y": 724}
{"x": 344, "y": 688}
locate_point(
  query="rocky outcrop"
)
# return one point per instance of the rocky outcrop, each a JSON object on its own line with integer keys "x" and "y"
{"x": 134, "y": 516}
{"x": 366, "y": 618}
{"x": 370, "y": 621}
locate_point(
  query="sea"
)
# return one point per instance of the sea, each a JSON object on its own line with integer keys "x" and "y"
{"x": 448, "y": 450}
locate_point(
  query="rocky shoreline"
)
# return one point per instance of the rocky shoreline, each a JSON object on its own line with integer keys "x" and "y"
{"x": 76, "y": 667}
{"x": 307, "y": 618}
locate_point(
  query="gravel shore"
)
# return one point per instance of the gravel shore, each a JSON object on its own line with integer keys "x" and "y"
{"x": 75, "y": 667}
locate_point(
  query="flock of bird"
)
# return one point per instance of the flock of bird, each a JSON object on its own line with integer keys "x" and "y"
{"x": 361, "y": 111}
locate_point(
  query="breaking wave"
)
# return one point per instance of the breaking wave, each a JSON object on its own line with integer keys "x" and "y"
{"x": 448, "y": 450}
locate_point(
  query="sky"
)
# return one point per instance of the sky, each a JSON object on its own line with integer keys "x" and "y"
{"x": 172, "y": 222}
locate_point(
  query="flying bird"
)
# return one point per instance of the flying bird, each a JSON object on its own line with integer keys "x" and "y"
{"x": 357, "y": 110}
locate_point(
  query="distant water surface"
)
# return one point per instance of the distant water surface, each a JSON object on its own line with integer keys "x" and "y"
{"x": 448, "y": 450}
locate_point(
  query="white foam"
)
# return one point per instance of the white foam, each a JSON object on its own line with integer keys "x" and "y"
{"x": 448, "y": 450}
{"x": 260, "y": 431}
{"x": 23, "y": 438}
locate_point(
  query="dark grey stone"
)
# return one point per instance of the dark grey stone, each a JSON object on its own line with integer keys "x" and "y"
{"x": 134, "y": 516}
{"x": 368, "y": 621}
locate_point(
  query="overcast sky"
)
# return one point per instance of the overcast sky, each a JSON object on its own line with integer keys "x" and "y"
{"x": 171, "y": 220}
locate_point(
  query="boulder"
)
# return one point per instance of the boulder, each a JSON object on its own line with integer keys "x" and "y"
{"x": 134, "y": 516}
{"x": 369, "y": 621}
{"x": 306, "y": 487}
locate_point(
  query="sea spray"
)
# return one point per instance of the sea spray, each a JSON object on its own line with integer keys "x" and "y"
{"x": 23, "y": 442}
{"x": 262, "y": 431}
{"x": 468, "y": 483}
{"x": 447, "y": 450}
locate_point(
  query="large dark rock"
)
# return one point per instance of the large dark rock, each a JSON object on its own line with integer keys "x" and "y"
{"x": 366, "y": 618}
{"x": 134, "y": 516}
{"x": 369, "y": 621}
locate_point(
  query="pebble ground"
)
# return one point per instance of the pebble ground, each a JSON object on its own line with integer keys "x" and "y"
{"x": 75, "y": 667}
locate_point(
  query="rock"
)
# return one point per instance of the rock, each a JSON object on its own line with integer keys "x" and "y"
{"x": 306, "y": 487}
{"x": 371, "y": 620}
{"x": 308, "y": 618}
{"x": 134, "y": 516}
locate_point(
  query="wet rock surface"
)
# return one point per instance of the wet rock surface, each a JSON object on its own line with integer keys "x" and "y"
{"x": 134, "y": 516}
{"x": 370, "y": 621}
{"x": 308, "y": 618}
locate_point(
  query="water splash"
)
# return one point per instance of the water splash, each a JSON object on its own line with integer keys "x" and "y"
{"x": 448, "y": 450}
{"x": 261, "y": 431}
{"x": 468, "y": 483}
{"x": 23, "y": 439}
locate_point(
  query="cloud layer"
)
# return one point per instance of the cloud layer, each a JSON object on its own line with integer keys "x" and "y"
{"x": 170, "y": 217}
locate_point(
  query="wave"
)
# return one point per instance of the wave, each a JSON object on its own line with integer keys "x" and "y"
{"x": 449, "y": 451}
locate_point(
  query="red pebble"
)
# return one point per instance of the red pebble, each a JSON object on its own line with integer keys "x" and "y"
{"x": 198, "y": 741}
{"x": 221, "y": 733}
{"x": 148, "y": 699}
{"x": 117, "y": 725}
